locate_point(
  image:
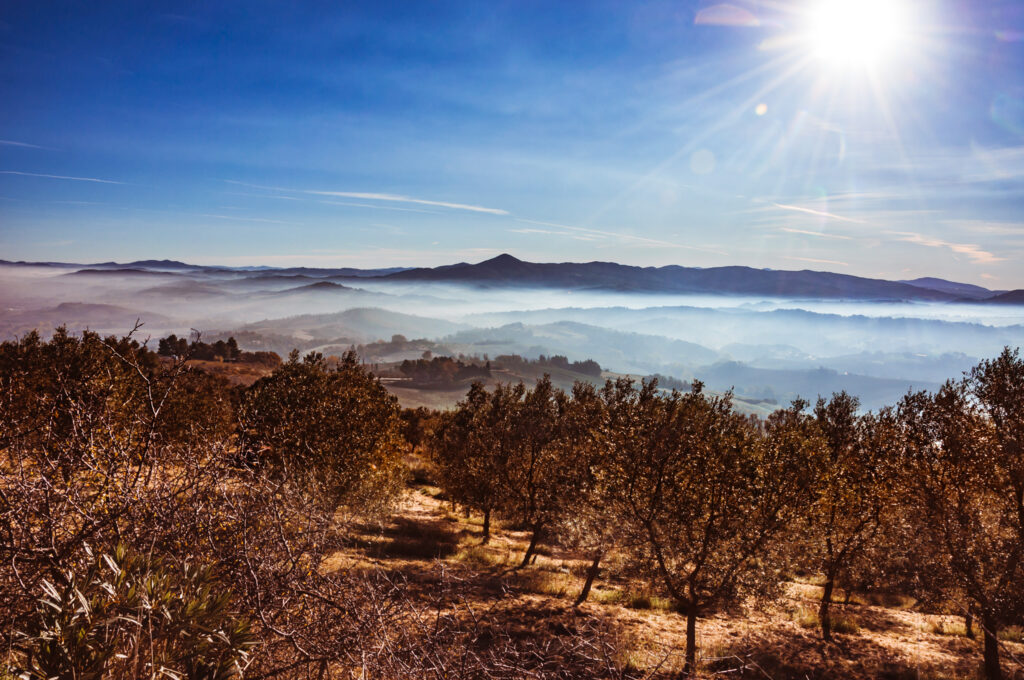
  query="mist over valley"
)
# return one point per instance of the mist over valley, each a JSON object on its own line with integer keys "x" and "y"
{"x": 764, "y": 334}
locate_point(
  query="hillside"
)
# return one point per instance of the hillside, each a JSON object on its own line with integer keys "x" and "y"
{"x": 626, "y": 351}
{"x": 884, "y": 635}
{"x": 360, "y": 324}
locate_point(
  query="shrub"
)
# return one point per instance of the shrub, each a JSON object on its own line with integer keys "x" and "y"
{"x": 125, "y": 616}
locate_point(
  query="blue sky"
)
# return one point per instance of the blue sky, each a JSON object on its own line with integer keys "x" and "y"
{"x": 380, "y": 134}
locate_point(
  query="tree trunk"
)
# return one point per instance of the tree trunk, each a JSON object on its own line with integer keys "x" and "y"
{"x": 969, "y": 625}
{"x": 595, "y": 566}
{"x": 992, "y": 670}
{"x": 691, "y": 639}
{"x": 823, "y": 610}
{"x": 487, "y": 526}
{"x": 532, "y": 548}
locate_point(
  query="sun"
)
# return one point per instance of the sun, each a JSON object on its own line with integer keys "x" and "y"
{"x": 856, "y": 33}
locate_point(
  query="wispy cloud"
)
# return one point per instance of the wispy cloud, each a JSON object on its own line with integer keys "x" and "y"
{"x": 816, "y": 233}
{"x": 76, "y": 179}
{"x": 973, "y": 252}
{"x": 725, "y": 15}
{"x": 817, "y": 261}
{"x": 856, "y": 197}
{"x": 988, "y": 227}
{"x": 378, "y": 207}
{"x": 567, "y": 234}
{"x": 8, "y": 142}
{"x": 642, "y": 240}
{"x": 239, "y": 218}
{"x": 994, "y": 164}
{"x": 817, "y": 213}
{"x": 407, "y": 199}
{"x": 956, "y": 167}
{"x": 252, "y": 195}
{"x": 373, "y": 196}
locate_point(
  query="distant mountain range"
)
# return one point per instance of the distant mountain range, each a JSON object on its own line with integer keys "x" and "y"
{"x": 506, "y": 271}
{"x": 168, "y": 266}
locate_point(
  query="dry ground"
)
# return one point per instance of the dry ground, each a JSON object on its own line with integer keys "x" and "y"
{"x": 425, "y": 542}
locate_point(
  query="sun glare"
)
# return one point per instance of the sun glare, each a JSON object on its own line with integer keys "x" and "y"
{"x": 847, "y": 33}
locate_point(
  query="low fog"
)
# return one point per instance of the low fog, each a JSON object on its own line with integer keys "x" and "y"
{"x": 762, "y": 347}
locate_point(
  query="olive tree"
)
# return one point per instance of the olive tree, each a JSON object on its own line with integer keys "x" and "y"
{"x": 470, "y": 450}
{"x": 705, "y": 496}
{"x": 852, "y": 491}
{"x": 964, "y": 465}
{"x": 540, "y": 479}
{"x": 335, "y": 433}
{"x": 585, "y": 519}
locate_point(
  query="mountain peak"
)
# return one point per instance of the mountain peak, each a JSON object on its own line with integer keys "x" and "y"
{"x": 502, "y": 260}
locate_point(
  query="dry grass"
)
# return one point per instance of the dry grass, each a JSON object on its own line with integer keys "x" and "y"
{"x": 608, "y": 596}
{"x": 483, "y": 557}
{"x": 882, "y": 599}
{"x": 945, "y": 626}
{"x": 645, "y": 600}
{"x": 432, "y": 491}
{"x": 846, "y": 625}
{"x": 421, "y": 471}
{"x": 547, "y": 583}
{"x": 805, "y": 617}
{"x": 804, "y": 591}
{"x": 1012, "y": 634}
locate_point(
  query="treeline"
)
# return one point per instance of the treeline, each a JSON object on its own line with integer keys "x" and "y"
{"x": 667, "y": 382}
{"x": 443, "y": 370}
{"x": 713, "y": 507}
{"x": 586, "y": 367}
{"x": 221, "y": 350}
{"x": 451, "y": 371}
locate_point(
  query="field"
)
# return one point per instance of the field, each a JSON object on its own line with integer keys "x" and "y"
{"x": 878, "y": 635}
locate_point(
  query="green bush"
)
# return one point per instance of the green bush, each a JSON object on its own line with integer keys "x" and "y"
{"x": 124, "y": 616}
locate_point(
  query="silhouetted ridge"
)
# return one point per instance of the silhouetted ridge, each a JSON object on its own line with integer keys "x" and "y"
{"x": 322, "y": 285}
{"x": 506, "y": 270}
{"x": 121, "y": 271}
{"x": 963, "y": 290}
{"x": 1013, "y": 297}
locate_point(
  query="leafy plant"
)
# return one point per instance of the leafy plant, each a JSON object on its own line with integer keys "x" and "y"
{"x": 123, "y": 615}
